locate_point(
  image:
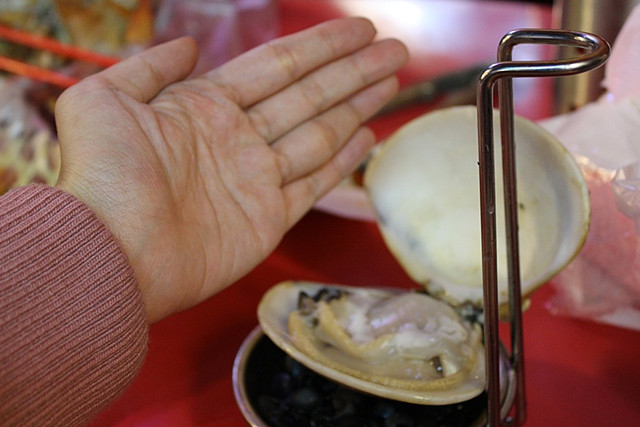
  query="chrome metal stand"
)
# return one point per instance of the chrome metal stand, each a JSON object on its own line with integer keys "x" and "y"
{"x": 596, "y": 53}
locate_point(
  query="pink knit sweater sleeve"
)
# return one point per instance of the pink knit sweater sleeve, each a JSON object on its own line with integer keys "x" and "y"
{"x": 73, "y": 332}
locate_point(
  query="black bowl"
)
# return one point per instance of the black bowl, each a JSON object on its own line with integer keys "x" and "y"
{"x": 274, "y": 390}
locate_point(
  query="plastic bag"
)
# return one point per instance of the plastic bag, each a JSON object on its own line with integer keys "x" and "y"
{"x": 603, "y": 282}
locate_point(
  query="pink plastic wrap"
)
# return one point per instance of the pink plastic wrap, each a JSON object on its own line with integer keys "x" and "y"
{"x": 603, "y": 282}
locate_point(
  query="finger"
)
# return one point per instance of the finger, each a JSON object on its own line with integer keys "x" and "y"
{"x": 316, "y": 141}
{"x": 265, "y": 70}
{"x": 325, "y": 87}
{"x": 303, "y": 193}
{"x": 144, "y": 75}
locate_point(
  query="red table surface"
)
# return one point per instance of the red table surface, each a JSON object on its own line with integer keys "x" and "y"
{"x": 577, "y": 372}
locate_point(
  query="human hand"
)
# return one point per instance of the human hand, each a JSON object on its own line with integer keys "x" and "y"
{"x": 199, "y": 178}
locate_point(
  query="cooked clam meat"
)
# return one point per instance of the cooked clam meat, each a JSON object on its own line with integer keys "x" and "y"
{"x": 406, "y": 339}
{"x": 397, "y": 344}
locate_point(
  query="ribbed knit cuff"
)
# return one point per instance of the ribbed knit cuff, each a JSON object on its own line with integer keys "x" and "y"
{"x": 73, "y": 332}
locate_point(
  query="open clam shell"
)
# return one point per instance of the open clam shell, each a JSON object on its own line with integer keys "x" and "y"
{"x": 377, "y": 374}
{"x": 423, "y": 184}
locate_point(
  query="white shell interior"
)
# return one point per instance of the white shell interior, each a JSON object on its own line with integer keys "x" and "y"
{"x": 424, "y": 186}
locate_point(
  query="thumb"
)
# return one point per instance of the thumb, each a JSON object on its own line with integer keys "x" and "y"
{"x": 143, "y": 75}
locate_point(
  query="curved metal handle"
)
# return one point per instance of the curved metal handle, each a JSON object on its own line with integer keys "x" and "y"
{"x": 597, "y": 52}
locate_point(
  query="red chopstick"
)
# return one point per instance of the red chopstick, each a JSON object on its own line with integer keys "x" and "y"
{"x": 36, "y": 73}
{"x": 43, "y": 43}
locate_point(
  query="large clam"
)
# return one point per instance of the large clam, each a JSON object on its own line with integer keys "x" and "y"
{"x": 400, "y": 345}
{"x": 423, "y": 185}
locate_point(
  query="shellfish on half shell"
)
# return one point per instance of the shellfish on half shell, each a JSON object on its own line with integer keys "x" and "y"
{"x": 423, "y": 184}
{"x": 396, "y": 344}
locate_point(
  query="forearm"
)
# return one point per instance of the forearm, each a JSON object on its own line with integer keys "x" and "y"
{"x": 73, "y": 332}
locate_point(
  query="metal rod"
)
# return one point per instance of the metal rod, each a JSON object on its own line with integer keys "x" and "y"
{"x": 597, "y": 51}
{"x": 505, "y": 89}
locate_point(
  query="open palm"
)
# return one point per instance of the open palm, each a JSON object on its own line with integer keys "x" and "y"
{"x": 199, "y": 178}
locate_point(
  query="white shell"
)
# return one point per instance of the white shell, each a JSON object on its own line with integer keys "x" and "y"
{"x": 423, "y": 184}
{"x": 281, "y": 300}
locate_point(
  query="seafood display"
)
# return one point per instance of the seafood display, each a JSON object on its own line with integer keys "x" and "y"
{"x": 426, "y": 347}
{"x": 106, "y": 26}
{"x": 29, "y": 150}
